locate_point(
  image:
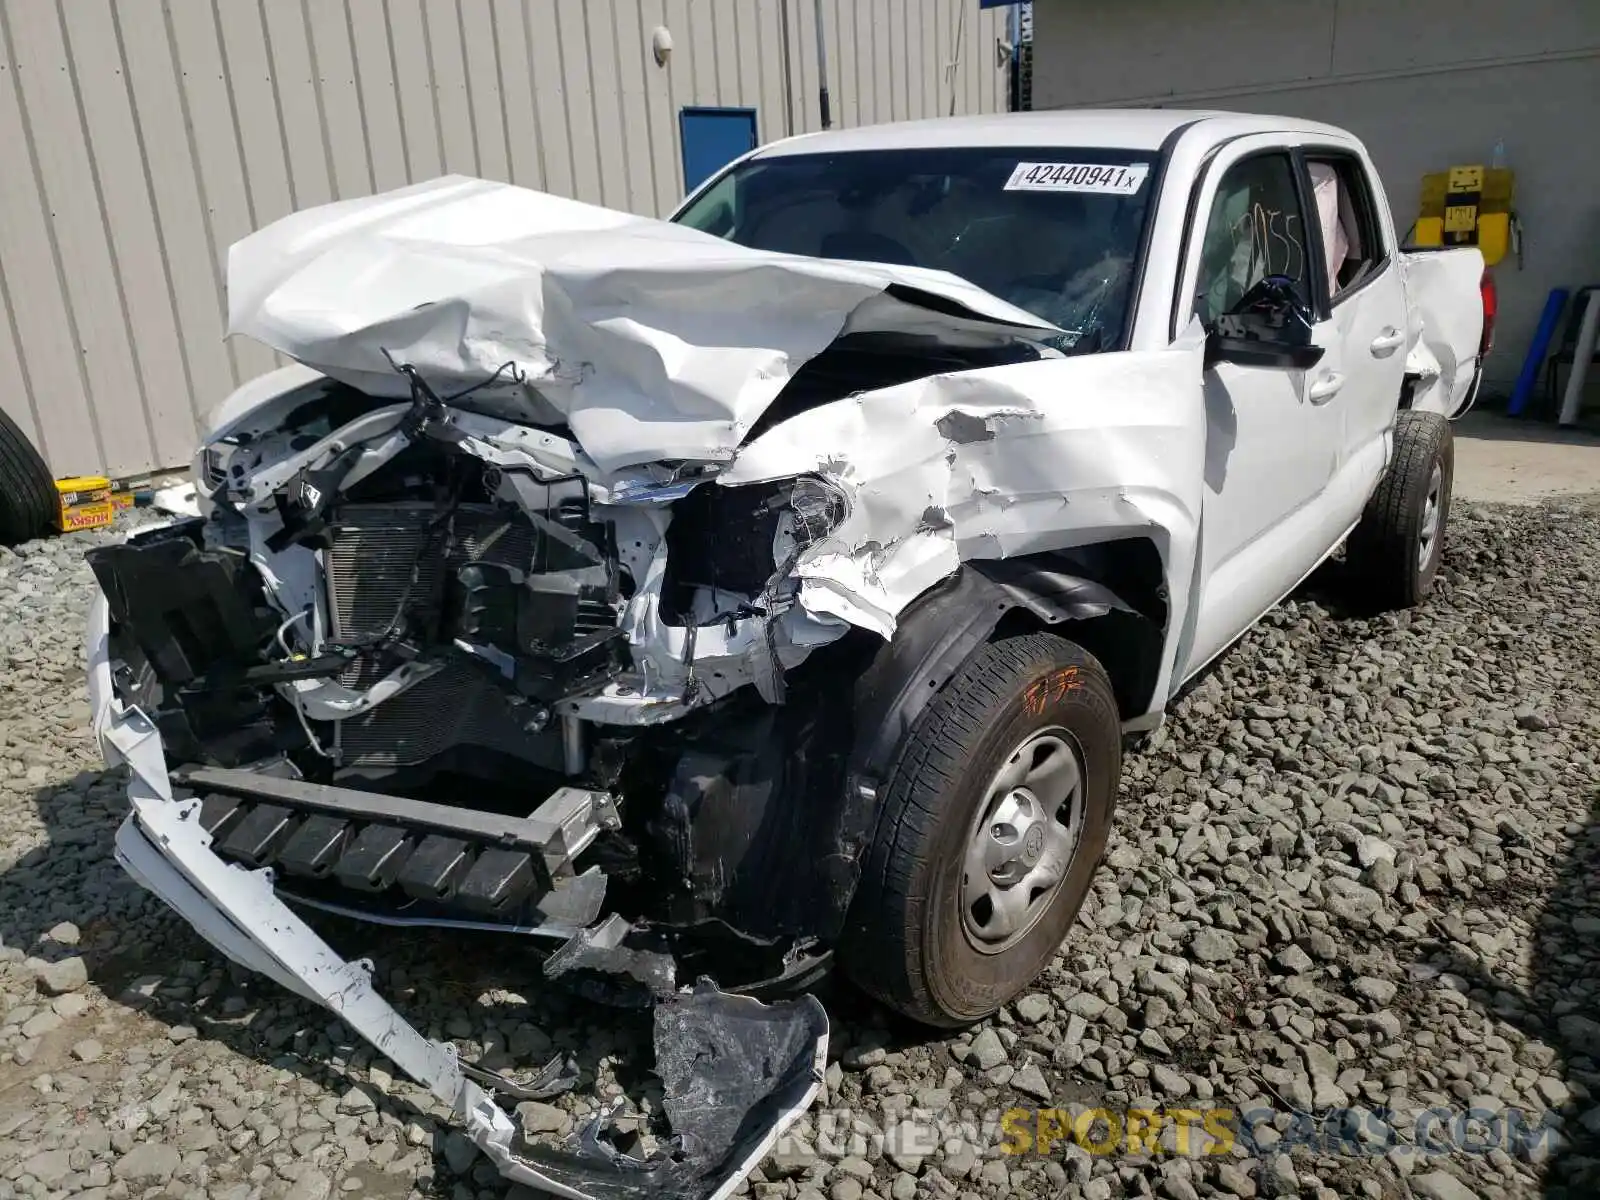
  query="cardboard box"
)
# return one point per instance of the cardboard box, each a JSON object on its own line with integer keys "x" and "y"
{"x": 83, "y": 489}
{"x": 85, "y": 503}
{"x": 87, "y": 516}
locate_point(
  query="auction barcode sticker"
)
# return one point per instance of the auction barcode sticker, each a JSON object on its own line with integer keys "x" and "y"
{"x": 1077, "y": 177}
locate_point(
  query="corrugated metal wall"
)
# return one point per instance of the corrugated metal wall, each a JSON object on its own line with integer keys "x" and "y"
{"x": 142, "y": 137}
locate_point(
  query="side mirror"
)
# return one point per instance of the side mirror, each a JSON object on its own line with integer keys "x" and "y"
{"x": 1260, "y": 352}
{"x": 1269, "y": 327}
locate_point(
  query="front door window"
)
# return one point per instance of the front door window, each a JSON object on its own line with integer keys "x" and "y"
{"x": 1256, "y": 229}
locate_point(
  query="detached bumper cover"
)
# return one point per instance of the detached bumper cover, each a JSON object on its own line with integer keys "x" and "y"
{"x": 736, "y": 1073}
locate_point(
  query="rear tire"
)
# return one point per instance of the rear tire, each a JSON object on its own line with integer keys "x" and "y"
{"x": 1394, "y": 552}
{"x": 975, "y": 874}
{"x": 27, "y": 489}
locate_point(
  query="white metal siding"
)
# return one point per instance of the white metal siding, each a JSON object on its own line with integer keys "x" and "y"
{"x": 1425, "y": 84}
{"x": 143, "y": 137}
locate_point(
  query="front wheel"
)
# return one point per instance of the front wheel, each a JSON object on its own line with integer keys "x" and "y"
{"x": 995, "y": 815}
{"x": 1394, "y": 552}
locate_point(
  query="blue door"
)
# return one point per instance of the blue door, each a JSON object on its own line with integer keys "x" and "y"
{"x": 713, "y": 138}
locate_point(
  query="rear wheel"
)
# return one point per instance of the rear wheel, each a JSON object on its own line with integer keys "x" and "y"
{"x": 27, "y": 489}
{"x": 995, "y": 815}
{"x": 1394, "y": 552}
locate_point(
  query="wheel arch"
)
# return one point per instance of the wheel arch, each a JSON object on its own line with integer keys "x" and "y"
{"x": 902, "y": 940}
{"x": 1110, "y": 598}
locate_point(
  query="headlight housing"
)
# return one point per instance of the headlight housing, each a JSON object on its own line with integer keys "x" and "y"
{"x": 819, "y": 507}
{"x": 733, "y": 539}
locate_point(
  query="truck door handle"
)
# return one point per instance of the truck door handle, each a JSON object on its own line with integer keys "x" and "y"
{"x": 1326, "y": 388}
{"x": 1387, "y": 342}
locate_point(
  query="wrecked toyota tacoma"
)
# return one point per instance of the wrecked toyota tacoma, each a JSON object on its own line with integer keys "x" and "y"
{"x": 712, "y": 601}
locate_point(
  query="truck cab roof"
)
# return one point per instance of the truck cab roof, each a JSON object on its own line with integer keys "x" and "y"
{"x": 1110, "y": 128}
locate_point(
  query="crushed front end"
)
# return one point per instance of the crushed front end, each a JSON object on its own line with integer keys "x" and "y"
{"x": 405, "y": 670}
{"x": 428, "y": 677}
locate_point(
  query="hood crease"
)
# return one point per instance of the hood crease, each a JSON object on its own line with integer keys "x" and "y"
{"x": 651, "y": 340}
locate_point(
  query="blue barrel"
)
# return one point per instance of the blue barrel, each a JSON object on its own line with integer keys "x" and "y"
{"x": 1555, "y": 303}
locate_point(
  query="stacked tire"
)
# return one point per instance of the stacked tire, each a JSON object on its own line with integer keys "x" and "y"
{"x": 27, "y": 489}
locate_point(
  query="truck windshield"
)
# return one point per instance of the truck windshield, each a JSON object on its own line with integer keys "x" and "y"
{"x": 1055, "y": 231}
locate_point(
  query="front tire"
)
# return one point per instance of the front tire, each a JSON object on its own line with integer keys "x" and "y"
{"x": 996, "y": 811}
{"x": 1394, "y": 552}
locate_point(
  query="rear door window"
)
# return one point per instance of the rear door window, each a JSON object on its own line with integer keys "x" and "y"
{"x": 1347, "y": 220}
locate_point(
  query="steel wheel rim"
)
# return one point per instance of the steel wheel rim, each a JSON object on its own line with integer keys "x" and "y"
{"x": 1428, "y": 537}
{"x": 1022, "y": 840}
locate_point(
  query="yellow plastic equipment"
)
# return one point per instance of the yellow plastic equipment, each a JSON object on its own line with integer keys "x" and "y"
{"x": 1468, "y": 206}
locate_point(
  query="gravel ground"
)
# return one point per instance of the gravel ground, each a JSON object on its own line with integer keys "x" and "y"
{"x": 1354, "y": 872}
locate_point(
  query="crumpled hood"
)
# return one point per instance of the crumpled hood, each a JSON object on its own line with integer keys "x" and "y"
{"x": 651, "y": 340}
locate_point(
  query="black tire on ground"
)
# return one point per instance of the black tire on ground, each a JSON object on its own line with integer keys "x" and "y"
{"x": 27, "y": 489}
{"x": 908, "y": 941}
{"x": 1394, "y": 552}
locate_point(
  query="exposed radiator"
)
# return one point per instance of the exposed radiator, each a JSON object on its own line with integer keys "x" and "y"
{"x": 382, "y": 558}
{"x": 376, "y": 547}
{"x": 374, "y": 550}
{"x": 456, "y": 707}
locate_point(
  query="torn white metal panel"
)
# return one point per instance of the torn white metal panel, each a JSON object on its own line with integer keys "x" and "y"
{"x": 102, "y": 692}
{"x": 163, "y": 845}
{"x": 995, "y": 463}
{"x": 653, "y": 341}
{"x": 870, "y": 586}
{"x": 1445, "y": 314}
{"x": 179, "y": 500}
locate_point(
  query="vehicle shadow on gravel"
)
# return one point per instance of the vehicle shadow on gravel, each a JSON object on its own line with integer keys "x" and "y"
{"x": 162, "y": 982}
{"x": 1560, "y": 1008}
{"x": 1336, "y": 588}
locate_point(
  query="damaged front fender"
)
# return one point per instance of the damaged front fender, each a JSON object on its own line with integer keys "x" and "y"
{"x": 998, "y": 463}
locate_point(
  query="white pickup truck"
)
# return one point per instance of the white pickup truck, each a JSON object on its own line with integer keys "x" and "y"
{"x": 766, "y": 588}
